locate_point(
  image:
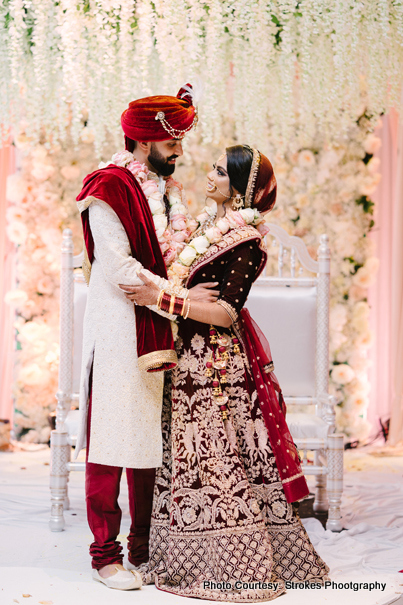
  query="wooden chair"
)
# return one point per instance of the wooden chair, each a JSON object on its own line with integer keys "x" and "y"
{"x": 293, "y": 313}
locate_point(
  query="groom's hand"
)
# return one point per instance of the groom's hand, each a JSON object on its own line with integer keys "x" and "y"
{"x": 204, "y": 292}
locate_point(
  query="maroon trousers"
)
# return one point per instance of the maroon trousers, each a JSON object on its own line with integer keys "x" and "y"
{"x": 102, "y": 484}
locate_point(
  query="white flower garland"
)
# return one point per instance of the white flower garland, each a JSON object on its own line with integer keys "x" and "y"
{"x": 181, "y": 225}
{"x": 179, "y": 270}
{"x": 272, "y": 66}
{"x": 179, "y": 255}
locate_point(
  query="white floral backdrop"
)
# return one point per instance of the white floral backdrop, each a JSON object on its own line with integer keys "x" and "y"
{"x": 322, "y": 189}
{"x": 276, "y": 66}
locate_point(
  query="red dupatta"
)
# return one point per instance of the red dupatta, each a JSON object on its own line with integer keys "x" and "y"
{"x": 273, "y": 409}
{"x": 120, "y": 190}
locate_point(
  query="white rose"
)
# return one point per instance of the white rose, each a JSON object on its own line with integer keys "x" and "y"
{"x": 365, "y": 340}
{"x": 33, "y": 375}
{"x": 248, "y": 215}
{"x": 70, "y": 172}
{"x": 342, "y": 374}
{"x": 200, "y": 244}
{"x": 121, "y": 158}
{"x": 358, "y": 401}
{"x": 42, "y": 172}
{"x": 187, "y": 255}
{"x": 338, "y": 317}
{"x": 360, "y": 323}
{"x": 17, "y": 232}
{"x": 156, "y": 206}
{"x": 16, "y": 188}
{"x": 363, "y": 278}
{"x": 372, "y": 144}
{"x": 372, "y": 264}
{"x": 223, "y": 225}
{"x": 16, "y": 298}
{"x": 329, "y": 159}
{"x": 306, "y": 158}
{"x": 175, "y": 198}
{"x": 178, "y": 208}
{"x": 160, "y": 222}
{"x": 213, "y": 235}
{"x": 302, "y": 200}
{"x": 361, "y": 309}
{"x": 373, "y": 165}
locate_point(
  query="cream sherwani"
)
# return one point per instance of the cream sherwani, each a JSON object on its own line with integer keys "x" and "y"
{"x": 126, "y": 401}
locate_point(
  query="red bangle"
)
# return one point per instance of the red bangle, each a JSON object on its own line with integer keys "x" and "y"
{"x": 178, "y": 307}
{"x": 165, "y": 302}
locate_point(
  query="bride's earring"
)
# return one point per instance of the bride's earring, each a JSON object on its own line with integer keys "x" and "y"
{"x": 237, "y": 202}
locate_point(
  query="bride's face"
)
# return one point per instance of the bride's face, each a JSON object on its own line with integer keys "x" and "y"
{"x": 218, "y": 185}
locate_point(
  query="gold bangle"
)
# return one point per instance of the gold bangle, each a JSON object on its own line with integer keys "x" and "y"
{"x": 160, "y": 295}
{"x": 183, "y": 306}
{"x": 187, "y": 293}
{"x": 187, "y": 312}
{"x": 172, "y": 305}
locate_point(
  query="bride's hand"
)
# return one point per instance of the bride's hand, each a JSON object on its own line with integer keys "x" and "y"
{"x": 204, "y": 292}
{"x": 147, "y": 294}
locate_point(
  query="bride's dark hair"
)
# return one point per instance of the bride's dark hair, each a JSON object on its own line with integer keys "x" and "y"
{"x": 239, "y": 163}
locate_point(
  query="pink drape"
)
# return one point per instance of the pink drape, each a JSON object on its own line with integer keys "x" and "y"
{"x": 7, "y": 282}
{"x": 386, "y": 297}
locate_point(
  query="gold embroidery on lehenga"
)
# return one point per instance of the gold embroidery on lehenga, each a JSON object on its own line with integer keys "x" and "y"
{"x": 213, "y": 517}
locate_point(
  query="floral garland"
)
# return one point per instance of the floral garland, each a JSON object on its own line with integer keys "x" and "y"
{"x": 212, "y": 233}
{"x": 172, "y": 236}
{"x": 179, "y": 255}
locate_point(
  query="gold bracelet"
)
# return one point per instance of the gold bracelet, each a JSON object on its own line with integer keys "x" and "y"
{"x": 183, "y": 306}
{"x": 160, "y": 295}
{"x": 172, "y": 305}
{"x": 187, "y": 312}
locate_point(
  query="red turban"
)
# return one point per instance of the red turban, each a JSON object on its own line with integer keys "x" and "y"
{"x": 160, "y": 118}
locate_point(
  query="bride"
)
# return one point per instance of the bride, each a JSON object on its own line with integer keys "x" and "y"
{"x": 223, "y": 525}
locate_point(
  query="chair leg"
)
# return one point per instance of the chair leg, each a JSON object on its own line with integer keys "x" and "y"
{"x": 321, "y": 502}
{"x": 66, "y": 502}
{"x": 58, "y": 479}
{"x": 335, "y": 480}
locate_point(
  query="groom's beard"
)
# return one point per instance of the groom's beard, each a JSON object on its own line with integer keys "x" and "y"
{"x": 160, "y": 162}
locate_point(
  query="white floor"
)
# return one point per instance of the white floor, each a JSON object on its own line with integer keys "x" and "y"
{"x": 38, "y": 567}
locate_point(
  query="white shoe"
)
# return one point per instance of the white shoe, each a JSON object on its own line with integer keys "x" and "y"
{"x": 122, "y": 580}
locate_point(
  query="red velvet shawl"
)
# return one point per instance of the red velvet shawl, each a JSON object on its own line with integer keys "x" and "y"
{"x": 120, "y": 190}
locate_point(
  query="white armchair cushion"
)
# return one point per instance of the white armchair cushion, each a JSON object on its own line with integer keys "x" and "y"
{"x": 71, "y": 423}
{"x": 287, "y": 317}
{"x": 306, "y": 426}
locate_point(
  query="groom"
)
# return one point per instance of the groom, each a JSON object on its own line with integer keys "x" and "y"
{"x": 126, "y": 348}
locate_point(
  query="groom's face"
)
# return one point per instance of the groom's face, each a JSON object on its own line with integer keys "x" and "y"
{"x": 163, "y": 155}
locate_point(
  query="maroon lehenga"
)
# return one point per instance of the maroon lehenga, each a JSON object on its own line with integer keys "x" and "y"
{"x": 220, "y": 513}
